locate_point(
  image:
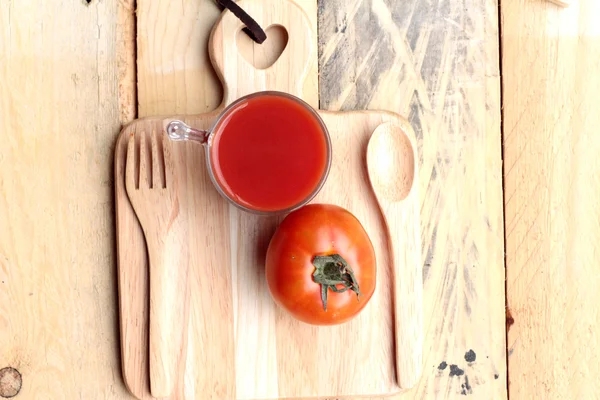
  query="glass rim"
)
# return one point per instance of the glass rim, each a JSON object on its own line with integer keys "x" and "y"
{"x": 225, "y": 112}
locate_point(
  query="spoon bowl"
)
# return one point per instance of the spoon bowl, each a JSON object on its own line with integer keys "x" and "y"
{"x": 391, "y": 163}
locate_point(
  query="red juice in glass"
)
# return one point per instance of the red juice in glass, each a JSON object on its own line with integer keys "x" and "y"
{"x": 269, "y": 152}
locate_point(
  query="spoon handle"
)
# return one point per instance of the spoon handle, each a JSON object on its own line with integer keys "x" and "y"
{"x": 404, "y": 243}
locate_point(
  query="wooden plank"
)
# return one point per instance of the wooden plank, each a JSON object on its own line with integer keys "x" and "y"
{"x": 550, "y": 64}
{"x": 59, "y": 117}
{"x": 175, "y": 75}
{"x": 438, "y": 64}
{"x": 126, "y": 60}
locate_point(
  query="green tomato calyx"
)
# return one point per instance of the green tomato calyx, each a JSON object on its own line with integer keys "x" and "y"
{"x": 333, "y": 272}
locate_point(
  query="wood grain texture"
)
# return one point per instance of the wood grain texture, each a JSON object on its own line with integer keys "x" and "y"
{"x": 551, "y": 58}
{"x": 563, "y": 3}
{"x": 134, "y": 311}
{"x": 174, "y": 73}
{"x": 262, "y": 351}
{"x": 126, "y": 60}
{"x": 59, "y": 117}
{"x": 438, "y": 64}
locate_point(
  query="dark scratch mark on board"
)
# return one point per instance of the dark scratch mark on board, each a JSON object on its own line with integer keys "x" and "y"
{"x": 466, "y": 387}
{"x": 470, "y": 356}
{"x": 350, "y": 74}
{"x": 429, "y": 256}
{"x": 455, "y": 371}
{"x": 509, "y": 319}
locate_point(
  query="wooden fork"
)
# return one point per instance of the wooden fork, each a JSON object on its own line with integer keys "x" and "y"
{"x": 154, "y": 196}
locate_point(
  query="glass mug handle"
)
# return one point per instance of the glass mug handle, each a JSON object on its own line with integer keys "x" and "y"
{"x": 179, "y": 131}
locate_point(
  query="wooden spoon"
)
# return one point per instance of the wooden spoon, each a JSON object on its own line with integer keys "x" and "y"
{"x": 391, "y": 164}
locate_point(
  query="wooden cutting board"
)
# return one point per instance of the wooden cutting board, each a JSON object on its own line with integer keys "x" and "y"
{"x": 240, "y": 344}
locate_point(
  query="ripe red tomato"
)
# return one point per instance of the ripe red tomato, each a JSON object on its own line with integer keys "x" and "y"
{"x": 321, "y": 265}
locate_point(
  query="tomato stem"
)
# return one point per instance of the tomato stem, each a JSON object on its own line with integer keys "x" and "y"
{"x": 331, "y": 271}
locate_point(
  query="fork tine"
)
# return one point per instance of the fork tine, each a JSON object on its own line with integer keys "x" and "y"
{"x": 130, "y": 181}
{"x": 168, "y": 161}
{"x": 145, "y": 178}
{"x": 156, "y": 174}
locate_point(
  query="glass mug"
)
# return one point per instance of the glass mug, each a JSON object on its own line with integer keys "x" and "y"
{"x": 267, "y": 153}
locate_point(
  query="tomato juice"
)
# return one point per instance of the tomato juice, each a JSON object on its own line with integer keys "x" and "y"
{"x": 270, "y": 152}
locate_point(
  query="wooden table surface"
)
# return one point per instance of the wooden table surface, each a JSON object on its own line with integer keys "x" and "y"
{"x": 70, "y": 76}
{"x": 551, "y": 79}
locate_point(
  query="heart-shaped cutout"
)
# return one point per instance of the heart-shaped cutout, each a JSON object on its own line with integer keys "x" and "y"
{"x": 262, "y": 56}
